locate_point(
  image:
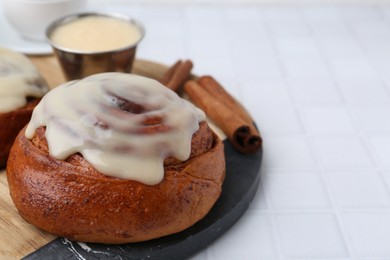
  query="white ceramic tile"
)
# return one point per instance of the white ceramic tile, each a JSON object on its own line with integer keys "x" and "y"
{"x": 316, "y": 91}
{"x": 342, "y": 151}
{"x": 255, "y": 68}
{"x": 275, "y": 119}
{"x": 381, "y": 146}
{"x": 286, "y": 28}
{"x": 285, "y": 14}
{"x": 387, "y": 83}
{"x": 205, "y": 29}
{"x": 371, "y": 28}
{"x": 376, "y": 47}
{"x": 202, "y": 13}
{"x": 327, "y": 120}
{"x": 162, "y": 13}
{"x": 336, "y": 47}
{"x": 311, "y": 235}
{"x": 386, "y": 176}
{"x": 381, "y": 65}
{"x": 242, "y": 14}
{"x": 373, "y": 119}
{"x": 202, "y": 47}
{"x": 328, "y": 29}
{"x": 288, "y": 47}
{"x": 168, "y": 50}
{"x": 246, "y": 30}
{"x": 295, "y": 190}
{"x": 386, "y": 12}
{"x": 258, "y": 48}
{"x": 322, "y": 13}
{"x": 359, "y": 189}
{"x": 370, "y": 233}
{"x": 201, "y": 27}
{"x": 361, "y": 13}
{"x": 352, "y": 68}
{"x": 305, "y": 67}
{"x": 363, "y": 91}
{"x": 218, "y": 67}
{"x": 157, "y": 30}
{"x": 259, "y": 202}
{"x": 256, "y": 240}
{"x": 266, "y": 91}
{"x": 287, "y": 152}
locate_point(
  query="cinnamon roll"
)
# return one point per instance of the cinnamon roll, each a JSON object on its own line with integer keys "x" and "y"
{"x": 21, "y": 87}
{"x": 115, "y": 158}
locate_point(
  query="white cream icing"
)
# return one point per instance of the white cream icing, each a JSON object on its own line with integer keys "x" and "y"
{"x": 84, "y": 116}
{"x": 19, "y": 79}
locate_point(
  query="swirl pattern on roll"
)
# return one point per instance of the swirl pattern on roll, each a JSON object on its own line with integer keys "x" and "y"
{"x": 124, "y": 125}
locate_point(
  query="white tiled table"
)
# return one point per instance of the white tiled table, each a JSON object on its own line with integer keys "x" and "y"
{"x": 317, "y": 81}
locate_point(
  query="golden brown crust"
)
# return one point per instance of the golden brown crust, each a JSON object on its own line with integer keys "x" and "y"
{"x": 11, "y": 123}
{"x": 71, "y": 199}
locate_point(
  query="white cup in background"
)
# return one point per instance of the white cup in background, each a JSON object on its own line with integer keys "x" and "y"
{"x": 31, "y": 17}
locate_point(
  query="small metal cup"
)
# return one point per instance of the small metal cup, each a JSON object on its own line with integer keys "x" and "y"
{"x": 77, "y": 64}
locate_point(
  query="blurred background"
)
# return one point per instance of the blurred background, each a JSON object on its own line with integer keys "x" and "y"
{"x": 240, "y": 2}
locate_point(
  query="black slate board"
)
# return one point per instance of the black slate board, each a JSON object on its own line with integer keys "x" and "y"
{"x": 238, "y": 190}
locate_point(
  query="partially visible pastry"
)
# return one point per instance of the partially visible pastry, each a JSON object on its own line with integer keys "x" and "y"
{"x": 115, "y": 158}
{"x": 21, "y": 87}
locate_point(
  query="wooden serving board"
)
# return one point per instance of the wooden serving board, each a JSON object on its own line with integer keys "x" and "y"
{"x": 18, "y": 238}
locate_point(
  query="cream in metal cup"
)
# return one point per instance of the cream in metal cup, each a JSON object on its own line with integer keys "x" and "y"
{"x": 91, "y": 56}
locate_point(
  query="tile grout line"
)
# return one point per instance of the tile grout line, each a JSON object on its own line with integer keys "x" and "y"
{"x": 276, "y": 233}
{"x": 306, "y": 135}
{"x": 348, "y": 243}
{"x": 365, "y": 138}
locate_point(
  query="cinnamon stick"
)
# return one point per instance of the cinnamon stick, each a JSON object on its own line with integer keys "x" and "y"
{"x": 219, "y": 108}
{"x": 177, "y": 75}
{"x": 216, "y": 90}
{"x": 169, "y": 73}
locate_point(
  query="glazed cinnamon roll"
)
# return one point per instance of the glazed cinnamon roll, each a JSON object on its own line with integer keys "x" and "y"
{"x": 115, "y": 158}
{"x": 21, "y": 88}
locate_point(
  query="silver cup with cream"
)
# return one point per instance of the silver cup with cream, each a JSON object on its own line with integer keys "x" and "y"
{"x": 90, "y": 43}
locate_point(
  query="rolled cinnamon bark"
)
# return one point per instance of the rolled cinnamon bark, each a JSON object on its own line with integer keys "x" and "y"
{"x": 177, "y": 75}
{"x": 216, "y": 90}
{"x": 228, "y": 115}
{"x": 169, "y": 73}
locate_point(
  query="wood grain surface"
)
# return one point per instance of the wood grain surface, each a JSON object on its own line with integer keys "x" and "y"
{"x": 17, "y": 237}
